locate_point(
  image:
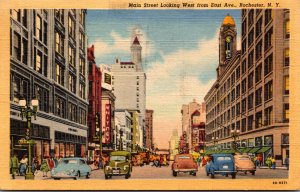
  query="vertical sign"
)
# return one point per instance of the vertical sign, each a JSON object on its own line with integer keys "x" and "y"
{"x": 106, "y": 136}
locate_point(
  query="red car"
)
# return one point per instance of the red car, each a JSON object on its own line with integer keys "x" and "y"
{"x": 184, "y": 163}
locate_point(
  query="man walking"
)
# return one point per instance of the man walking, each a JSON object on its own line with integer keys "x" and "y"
{"x": 287, "y": 162}
{"x": 14, "y": 164}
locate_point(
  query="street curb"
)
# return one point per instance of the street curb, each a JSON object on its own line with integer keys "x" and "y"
{"x": 271, "y": 168}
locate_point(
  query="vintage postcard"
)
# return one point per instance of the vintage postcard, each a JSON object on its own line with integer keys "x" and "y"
{"x": 149, "y": 95}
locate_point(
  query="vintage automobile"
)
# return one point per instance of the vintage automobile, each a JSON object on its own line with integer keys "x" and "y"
{"x": 119, "y": 165}
{"x": 73, "y": 167}
{"x": 243, "y": 163}
{"x": 184, "y": 163}
{"x": 220, "y": 164}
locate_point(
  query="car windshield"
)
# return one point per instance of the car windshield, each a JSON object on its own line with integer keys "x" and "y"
{"x": 223, "y": 158}
{"x": 117, "y": 158}
{"x": 68, "y": 161}
{"x": 184, "y": 157}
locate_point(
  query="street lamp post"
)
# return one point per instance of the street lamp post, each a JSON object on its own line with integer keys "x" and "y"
{"x": 235, "y": 135}
{"x": 215, "y": 141}
{"x": 28, "y": 111}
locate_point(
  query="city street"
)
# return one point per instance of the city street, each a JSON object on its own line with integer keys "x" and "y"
{"x": 149, "y": 172}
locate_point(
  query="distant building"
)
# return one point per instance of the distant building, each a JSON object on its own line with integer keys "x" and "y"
{"x": 174, "y": 144}
{"x": 129, "y": 85}
{"x": 125, "y": 122}
{"x": 251, "y": 93}
{"x": 149, "y": 129}
{"x": 94, "y": 97}
{"x": 192, "y": 115}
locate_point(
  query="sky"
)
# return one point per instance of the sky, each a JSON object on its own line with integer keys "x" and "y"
{"x": 179, "y": 55}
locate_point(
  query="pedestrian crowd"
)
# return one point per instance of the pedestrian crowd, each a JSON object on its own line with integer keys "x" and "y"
{"x": 21, "y": 167}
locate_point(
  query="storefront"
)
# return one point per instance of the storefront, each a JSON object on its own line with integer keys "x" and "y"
{"x": 69, "y": 145}
{"x": 40, "y": 134}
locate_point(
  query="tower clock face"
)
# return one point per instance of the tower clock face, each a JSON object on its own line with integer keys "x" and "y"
{"x": 228, "y": 39}
{"x": 228, "y": 47}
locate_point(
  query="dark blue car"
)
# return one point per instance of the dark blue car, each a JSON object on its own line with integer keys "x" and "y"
{"x": 221, "y": 164}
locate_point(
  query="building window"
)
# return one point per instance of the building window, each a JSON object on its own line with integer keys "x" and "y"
{"x": 233, "y": 111}
{"x": 286, "y": 112}
{"x": 250, "y": 80}
{"x": 287, "y": 57}
{"x": 82, "y": 66}
{"x": 258, "y": 119}
{"x": 258, "y": 27}
{"x": 38, "y": 62}
{"x": 71, "y": 27}
{"x": 59, "y": 43}
{"x": 268, "y": 90}
{"x": 72, "y": 109}
{"x": 25, "y": 51}
{"x": 72, "y": 83}
{"x": 16, "y": 14}
{"x": 244, "y": 66}
{"x": 232, "y": 95}
{"x": 59, "y": 15}
{"x": 269, "y": 64}
{"x": 244, "y": 46}
{"x": 250, "y": 122}
{"x": 268, "y": 39}
{"x": 16, "y": 86}
{"x": 287, "y": 29}
{"x": 17, "y": 46}
{"x": 81, "y": 40}
{"x": 250, "y": 59}
{"x": 82, "y": 119}
{"x": 268, "y": 140}
{"x": 60, "y": 107}
{"x": 45, "y": 32}
{"x": 250, "y": 17}
{"x": 268, "y": 16}
{"x": 238, "y": 90}
{"x": 72, "y": 56}
{"x": 286, "y": 85}
{"x": 258, "y": 98}
{"x": 59, "y": 74}
{"x": 244, "y": 86}
{"x": 250, "y": 101}
{"x": 82, "y": 90}
{"x": 244, "y": 105}
{"x": 244, "y": 27}
{"x": 250, "y": 37}
{"x": 238, "y": 109}
{"x": 38, "y": 27}
{"x": 258, "y": 50}
{"x": 238, "y": 72}
{"x": 268, "y": 116}
{"x": 244, "y": 125}
{"x": 258, "y": 71}
{"x": 285, "y": 139}
{"x": 82, "y": 17}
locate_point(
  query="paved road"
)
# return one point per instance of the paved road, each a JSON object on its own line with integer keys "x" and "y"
{"x": 149, "y": 172}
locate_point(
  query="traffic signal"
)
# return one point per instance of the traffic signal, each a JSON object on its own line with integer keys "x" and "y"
{"x": 27, "y": 134}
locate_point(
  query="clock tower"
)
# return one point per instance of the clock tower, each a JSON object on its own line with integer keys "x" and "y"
{"x": 227, "y": 42}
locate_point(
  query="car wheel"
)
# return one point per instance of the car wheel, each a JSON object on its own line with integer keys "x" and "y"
{"x": 56, "y": 178}
{"x": 207, "y": 174}
{"x": 77, "y": 176}
{"x": 87, "y": 175}
{"x": 233, "y": 175}
{"x": 127, "y": 176}
{"x": 212, "y": 176}
{"x": 106, "y": 176}
{"x": 253, "y": 172}
{"x": 226, "y": 175}
{"x": 245, "y": 172}
{"x": 194, "y": 174}
{"x": 174, "y": 173}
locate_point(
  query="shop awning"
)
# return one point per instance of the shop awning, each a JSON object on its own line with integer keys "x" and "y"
{"x": 254, "y": 150}
{"x": 263, "y": 149}
{"x": 245, "y": 150}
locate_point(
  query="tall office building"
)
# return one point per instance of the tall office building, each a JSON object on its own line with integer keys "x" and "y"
{"x": 129, "y": 85}
{"x": 149, "y": 129}
{"x": 48, "y": 61}
{"x": 251, "y": 93}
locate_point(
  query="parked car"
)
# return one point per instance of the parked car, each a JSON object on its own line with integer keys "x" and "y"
{"x": 243, "y": 163}
{"x": 184, "y": 163}
{"x": 119, "y": 165}
{"x": 220, "y": 164}
{"x": 73, "y": 167}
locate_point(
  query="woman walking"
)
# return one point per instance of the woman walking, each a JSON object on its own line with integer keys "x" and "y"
{"x": 44, "y": 168}
{"x": 23, "y": 165}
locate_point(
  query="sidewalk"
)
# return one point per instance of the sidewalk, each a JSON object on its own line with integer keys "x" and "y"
{"x": 265, "y": 167}
{"x": 37, "y": 176}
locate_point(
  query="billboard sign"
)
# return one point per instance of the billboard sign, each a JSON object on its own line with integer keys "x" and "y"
{"x": 106, "y": 79}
